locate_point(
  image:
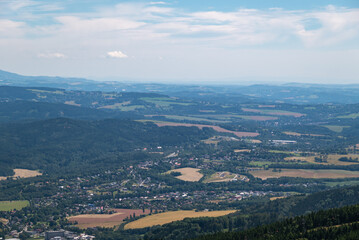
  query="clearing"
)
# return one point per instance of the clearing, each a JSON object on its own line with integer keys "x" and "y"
{"x": 23, "y": 173}
{"x": 188, "y": 174}
{"x": 105, "y": 220}
{"x": 11, "y": 205}
{"x": 305, "y": 173}
{"x": 225, "y": 177}
{"x": 201, "y": 126}
{"x": 167, "y": 217}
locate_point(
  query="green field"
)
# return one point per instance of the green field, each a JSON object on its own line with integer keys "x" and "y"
{"x": 11, "y": 205}
{"x": 352, "y": 115}
{"x": 164, "y": 102}
{"x": 335, "y": 128}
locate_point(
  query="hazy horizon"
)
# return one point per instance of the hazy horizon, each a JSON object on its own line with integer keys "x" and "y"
{"x": 193, "y": 42}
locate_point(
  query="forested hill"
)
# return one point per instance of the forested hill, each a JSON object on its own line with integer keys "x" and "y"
{"x": 256, "y": 214}
{"x": 341, "y": 223}
{"x": 26, "y": 110}
{"x": 65, "y": 143}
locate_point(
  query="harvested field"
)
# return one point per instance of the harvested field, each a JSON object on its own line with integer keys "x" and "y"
{"x": 11, "y": 205}
{"x": 305, "y": 173}
{"x": 167, "y": 217}
{"x": 188, "y": 174}
{"x": 73, "y": 103}
{"x": 275, "y": 198}
{"x": 274, "y": 112}
{"x": 242, "y": 150}
{"x": 332, "y": 159}
{"x": 23, "y": 173}
{"x": 105, "y": 220}
{"x": 201, "y": 126}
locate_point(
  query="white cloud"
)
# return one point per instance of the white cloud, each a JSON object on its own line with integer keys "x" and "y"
{"x": 116, "y": 54}
{"x": 51, "y": 55}
{"x": 158, "y": 3}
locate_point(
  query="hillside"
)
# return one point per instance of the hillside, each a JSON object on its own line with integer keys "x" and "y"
{"x": 337, "y": 223}
{"x": 56, "y": 144}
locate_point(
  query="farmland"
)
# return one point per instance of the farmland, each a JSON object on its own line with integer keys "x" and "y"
{"x": 332, "y": 159}
{"x": 11, "y": 205}
{"x": 201, "y": 126}
{"x": 274, "y": 112}
{"x": 224, "y": 177}
{"x": 188, "y": 174}
{"x": 167, "y": 217}
{"x": 23, "y": 173}
{"x": 105, "y": 220}
{"x": 305, "y": 173}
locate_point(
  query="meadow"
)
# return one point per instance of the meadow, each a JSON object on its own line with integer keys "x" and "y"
{"x": 11, "y": 205}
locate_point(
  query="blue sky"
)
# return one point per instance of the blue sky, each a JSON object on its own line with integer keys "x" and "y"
{"x": 183, "y": 41}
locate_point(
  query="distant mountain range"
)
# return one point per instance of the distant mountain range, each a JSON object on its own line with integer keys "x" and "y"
{"x": 296, "y": 93}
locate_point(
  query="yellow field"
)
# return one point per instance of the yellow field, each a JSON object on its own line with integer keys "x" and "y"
{"x": 23, "y": 173}
{"x": 303, "y": 134}
{"x": 305, "y": 173}
{"x": 167, "y": 217}
{"x": 188, "y": 174}
{"x": 275, "y": 198}
{"x": 332, "y": 159}
{"x": 242, "y": 150}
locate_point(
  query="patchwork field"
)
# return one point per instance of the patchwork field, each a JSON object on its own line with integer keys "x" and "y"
{"x": 225, "y": 177}
{"x": 305, "y": 173}
{"x": 231, "y": 116}
{"x": 188, "y": 174}
{"x": 201, "y": 126}
{"x": 11, "y": 205}
{"x": 167, "y": 217}
{"x": 332, "y": 159}
{"x": 23, "y": 173}
{"x": 105, "y": 220}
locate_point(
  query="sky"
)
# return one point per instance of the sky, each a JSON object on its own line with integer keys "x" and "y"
{"x": 183, "y": 41}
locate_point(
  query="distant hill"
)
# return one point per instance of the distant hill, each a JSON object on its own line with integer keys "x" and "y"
{"x": 297, "y": 93}
{"x": 62, "y": 144}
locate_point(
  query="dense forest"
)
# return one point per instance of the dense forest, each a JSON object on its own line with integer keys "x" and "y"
{"x": 66, "y": 144}
{"x": 338, "y": 223}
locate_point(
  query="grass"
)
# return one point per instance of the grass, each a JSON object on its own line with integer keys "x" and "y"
{"x": 332, "y": 159}
{"x": 335, "y": 128}
{"x": 45, "y": 91}
{"x": 177, "y": 117}
{"x": 222, "y": 177}
{"x": 167, "y": 217}
{"x": 188, "y": 174}
{"x": 305, "y": 173}
{"x": 274, "y": 112}
{"x": 352, "y": 115}
{"x": 11, "y": 205}
{"x": 164, "y": 102}
{"x": 342, "y": 183}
